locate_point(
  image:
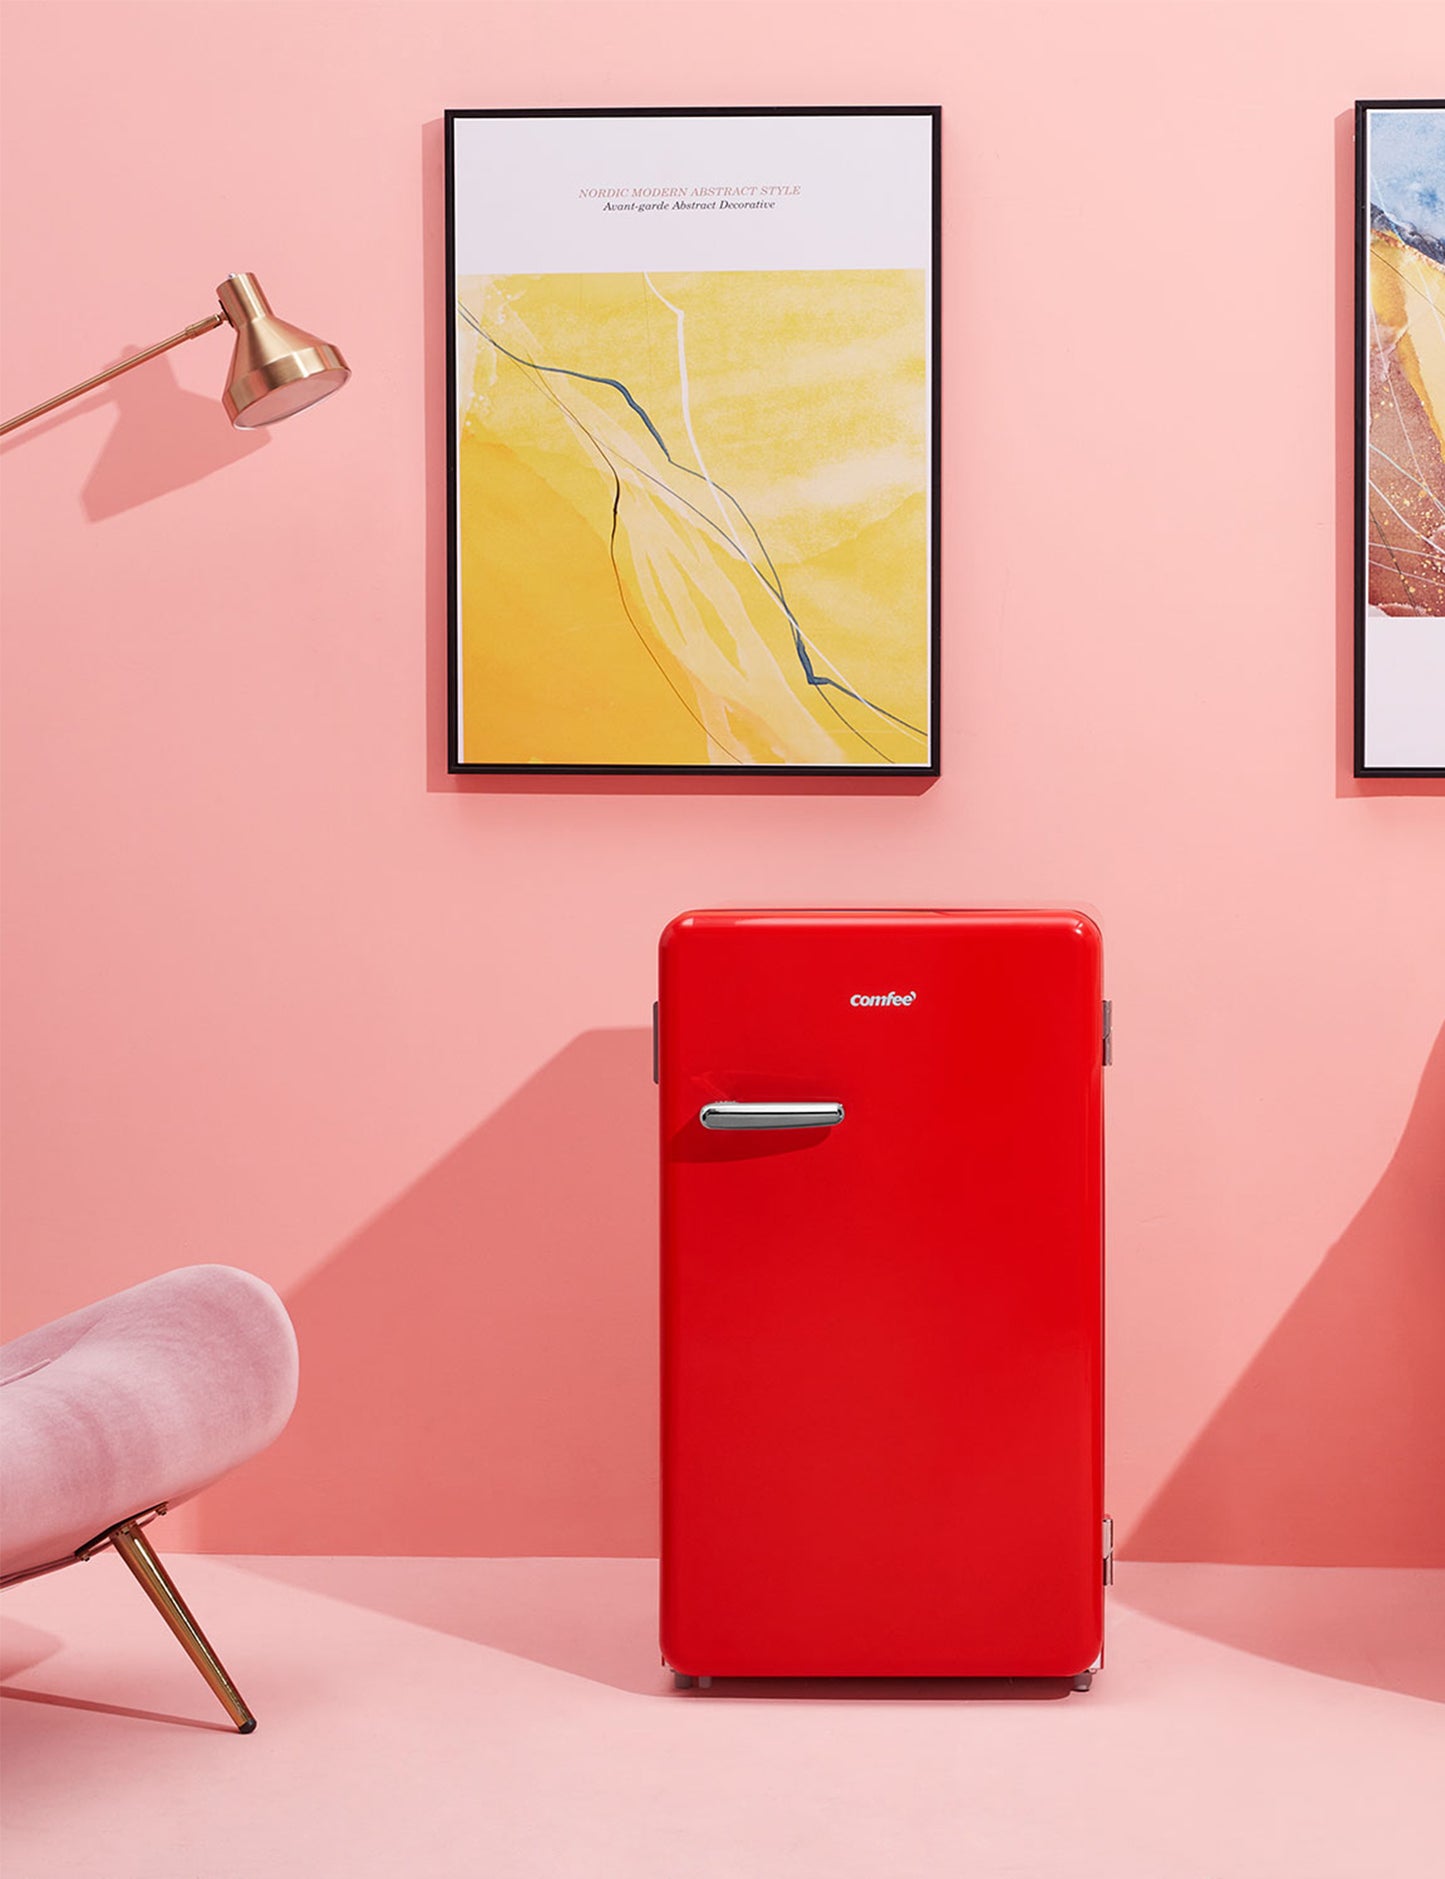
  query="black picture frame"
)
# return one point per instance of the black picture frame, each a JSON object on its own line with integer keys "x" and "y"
{"x": 1364, "y": 107}
{"x": 723, "y": 773}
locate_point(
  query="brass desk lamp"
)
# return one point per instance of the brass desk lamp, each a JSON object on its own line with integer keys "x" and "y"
{"x": 276, "y": 368}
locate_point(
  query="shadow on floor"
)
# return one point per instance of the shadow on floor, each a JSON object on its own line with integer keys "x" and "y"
{"x": 22, "y": 1647}
{"x": 1372, "y": 1626}
{"x": 47, "y": 1699}
{"x": 592, "y": 1618}
{"x": 1330, "y": 1450}
{"x": 479, "y": 1362}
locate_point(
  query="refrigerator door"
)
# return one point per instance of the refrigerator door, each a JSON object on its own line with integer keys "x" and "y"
{"x": 881, "y": 1294}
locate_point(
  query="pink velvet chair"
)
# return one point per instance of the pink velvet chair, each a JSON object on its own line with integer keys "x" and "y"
{"x": 112, "y": 1415}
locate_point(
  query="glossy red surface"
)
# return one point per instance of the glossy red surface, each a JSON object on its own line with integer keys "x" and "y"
{"x": 882, "y": 1366}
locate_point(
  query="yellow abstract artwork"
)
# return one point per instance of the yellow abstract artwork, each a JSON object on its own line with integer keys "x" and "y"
{"x": 693, "y": 518}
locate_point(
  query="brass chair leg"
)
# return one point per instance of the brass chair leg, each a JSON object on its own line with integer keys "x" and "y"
{"x": 136, "y": 1551}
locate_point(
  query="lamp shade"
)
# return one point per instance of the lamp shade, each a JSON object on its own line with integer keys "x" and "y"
{"x": 276, "y": 368}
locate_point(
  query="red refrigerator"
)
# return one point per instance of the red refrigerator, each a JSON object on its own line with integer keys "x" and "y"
{"x": 882, "y": 1294}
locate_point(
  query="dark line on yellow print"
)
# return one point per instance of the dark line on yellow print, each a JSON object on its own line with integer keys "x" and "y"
{"x": 707, "y": 522}
{"x": 572, "y": 418}
{"x": 854, "y": 729}
{"x": 775, "y": 586}
{"x": 571, "y": 415}
{"x": 622, "y": 596}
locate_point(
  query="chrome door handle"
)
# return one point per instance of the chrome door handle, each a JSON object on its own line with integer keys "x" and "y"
{"x": 770, "y": 1115}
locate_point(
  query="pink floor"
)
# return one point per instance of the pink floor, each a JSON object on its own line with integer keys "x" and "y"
{"x": 509, "y": 1717}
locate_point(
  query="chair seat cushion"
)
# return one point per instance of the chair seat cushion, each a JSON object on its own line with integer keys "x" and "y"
{"x": 145, "y": 1397}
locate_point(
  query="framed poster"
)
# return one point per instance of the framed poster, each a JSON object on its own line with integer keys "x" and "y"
{"x": 692, "y": 440}
{"x": 1400, "y": 438}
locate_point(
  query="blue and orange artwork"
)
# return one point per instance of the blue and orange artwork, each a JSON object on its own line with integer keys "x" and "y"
{"x": 693, "y": 519}
{"x": 1405, "y": 362}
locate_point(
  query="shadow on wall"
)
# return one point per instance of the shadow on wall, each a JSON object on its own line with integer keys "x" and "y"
{"x": 478, "y": 1363}
{"x": 164, "y": 438}
{"x": 1330, "y": 1450}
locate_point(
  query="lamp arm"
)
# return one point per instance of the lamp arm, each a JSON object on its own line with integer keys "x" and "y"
{"x": 139, "y": 358}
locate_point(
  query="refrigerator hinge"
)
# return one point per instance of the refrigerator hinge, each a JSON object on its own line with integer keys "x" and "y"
{"x": 1108, "y": 1551}
{"x": 1108, "y": 1031}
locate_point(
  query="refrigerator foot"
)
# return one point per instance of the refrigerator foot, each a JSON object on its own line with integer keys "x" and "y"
{"x": 704, "y": 1683}
{"x": 1084, "y": 1681}
{"x": 680, "y": 1682}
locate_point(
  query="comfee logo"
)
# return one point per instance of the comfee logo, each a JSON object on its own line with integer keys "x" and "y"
{"x": 882, "y": 998}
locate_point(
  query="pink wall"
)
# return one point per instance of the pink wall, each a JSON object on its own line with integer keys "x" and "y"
{"x": 282, "y": 994}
